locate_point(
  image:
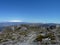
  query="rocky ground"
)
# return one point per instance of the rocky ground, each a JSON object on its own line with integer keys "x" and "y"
{"x": 30, "y": 35}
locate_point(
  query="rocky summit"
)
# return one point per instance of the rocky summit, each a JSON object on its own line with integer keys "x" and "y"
{"x": 30, "y": 34}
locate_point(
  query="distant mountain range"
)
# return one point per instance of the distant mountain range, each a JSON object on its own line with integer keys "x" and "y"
{"x": 17, "y": 23}
{"x": 3, "y": 24}
{"x": 11, "y": 23}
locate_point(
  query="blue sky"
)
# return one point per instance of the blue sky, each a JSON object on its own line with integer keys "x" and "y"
{"x": 44, "y": 11}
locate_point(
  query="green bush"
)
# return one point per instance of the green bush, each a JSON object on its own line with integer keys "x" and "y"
{"x": 39, "y": 38}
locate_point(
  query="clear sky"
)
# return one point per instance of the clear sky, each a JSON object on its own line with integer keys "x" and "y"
{"x": 46, "y": 11}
